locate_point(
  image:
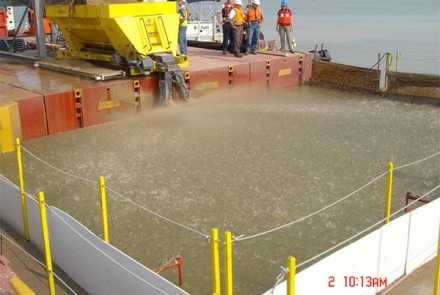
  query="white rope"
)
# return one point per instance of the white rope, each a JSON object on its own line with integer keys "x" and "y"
{"x": 116, "y": 193}
{"x": 166, "y": 264}
{"x": 59, "y": 170}
{"x": 280, "y": 278}
{"x": 416, "y": 162}
{"x": 117, "y": 263}
{"x": 367, "y": 229}
{"x": 311, "y": 214}
{"x": 332, "y": 204}
{"x": 42, "y": 264}
{"x": 156, "y": 214}
{"x": 241, "y": 237}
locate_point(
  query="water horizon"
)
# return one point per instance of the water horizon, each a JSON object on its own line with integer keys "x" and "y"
{"x": 356, "y": 32}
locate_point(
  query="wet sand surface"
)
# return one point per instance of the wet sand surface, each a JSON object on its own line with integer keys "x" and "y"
{"x": 241, "y": 163}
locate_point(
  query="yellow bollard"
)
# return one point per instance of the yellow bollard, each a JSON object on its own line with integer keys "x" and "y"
{"x": 228, "y": 262}
{"x": 388, "y": 192}
{"x": 45, "y": 234}
{"x": 215, "y": 261}
{"x": 437, "y": 269}
{"x": 23, "y": 197}
{"x": 291, "y": 266}
{"x": 103, "y": 209}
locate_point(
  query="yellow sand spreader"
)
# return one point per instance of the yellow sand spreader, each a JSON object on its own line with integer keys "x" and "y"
{"x": 142, "y": 36}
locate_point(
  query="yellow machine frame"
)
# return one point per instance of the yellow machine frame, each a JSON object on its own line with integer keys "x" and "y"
{"x": 120, "y": 33}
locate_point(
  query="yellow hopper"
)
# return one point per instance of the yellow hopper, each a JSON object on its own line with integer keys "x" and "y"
{"x": 121, "y": 33}
{"x": 142, "y": 36}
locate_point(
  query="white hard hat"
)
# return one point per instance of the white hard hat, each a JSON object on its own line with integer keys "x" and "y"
{"x": 256, "y": 2}
{"x": 238, "y": 2}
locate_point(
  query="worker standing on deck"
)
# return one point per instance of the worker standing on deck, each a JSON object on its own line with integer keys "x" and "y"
{"x": 237, "y": 20}
{"x": 183, "y": 25}
{"x": 255, "y": 19}
{"x": 285, "y": 25}
{"x": 223, "y": 19}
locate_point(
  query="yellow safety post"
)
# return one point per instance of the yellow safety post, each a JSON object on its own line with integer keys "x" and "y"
{"x": 388, "y": 192}
{"x": 437, "y": 269}
{"x": 291, "y": 266}
{"x": 215, "y": 262}
{"x": 228, "y": 262}
{"x": 23, "y": 197}
{"x": 103, "y": 209}
{"x": 45, "y": 233}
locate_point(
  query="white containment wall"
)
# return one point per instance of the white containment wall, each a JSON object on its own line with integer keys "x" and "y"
{"x": 376, "y": 260}
{"x": 94, "y": 264}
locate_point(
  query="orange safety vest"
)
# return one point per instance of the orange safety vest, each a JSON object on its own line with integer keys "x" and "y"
{"x": 254, "y": 14}
{"x": 239, "y": 17}
{"x": 188, "y": 13}
{"x": 285, "y": 17}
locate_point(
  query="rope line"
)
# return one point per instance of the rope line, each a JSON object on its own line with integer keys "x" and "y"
{"x": 118, "y": 194}
{"x": 117, "y": 263}
{"x": 158, "y": 215}
{"x": 240, "y": 238}
{"x": 332, "y": 204}
{"x": 416, "y": 162}
{"x": 280, "y": 278}
{"x": 311, "y": 214}
{"x": 59, "y": 170}
{"x": 166, "y": 264}
{"x": 367, "y": 229}
{"x": 39, "y": 262}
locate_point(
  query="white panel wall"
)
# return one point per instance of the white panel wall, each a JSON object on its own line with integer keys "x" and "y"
{"x": 393, "y": 248}
{"x": 99, "y": 267}
{"x": 423, "y": 234}
{"x": 10, "y": 205}
{"x": 95, "y": 265}
{"x": 405, "y": 243}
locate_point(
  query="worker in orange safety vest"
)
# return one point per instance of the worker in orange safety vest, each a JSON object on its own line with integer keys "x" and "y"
{"x": 255, "y": 19}
{"x": 237, "y": 20}
{"x": 285, "y": 25}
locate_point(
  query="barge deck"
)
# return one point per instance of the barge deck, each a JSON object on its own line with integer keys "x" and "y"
{"x": 36, "y": 102}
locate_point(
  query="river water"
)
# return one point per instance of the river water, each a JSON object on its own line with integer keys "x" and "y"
{"x": 240, "y": 164}
{"x": 356, "y": 31}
